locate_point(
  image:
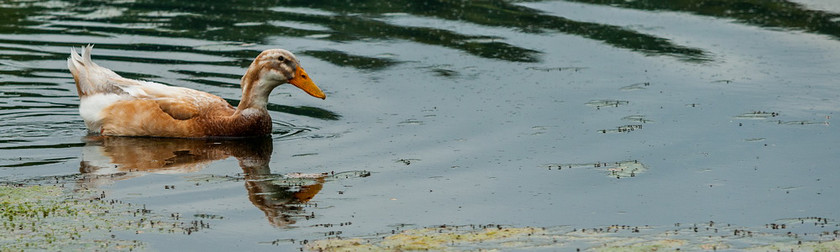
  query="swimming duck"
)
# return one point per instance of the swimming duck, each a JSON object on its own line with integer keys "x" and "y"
{"x": 115, "y": 106}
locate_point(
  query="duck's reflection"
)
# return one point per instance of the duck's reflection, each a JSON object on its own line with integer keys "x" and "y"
{"x": 282, "y": 201}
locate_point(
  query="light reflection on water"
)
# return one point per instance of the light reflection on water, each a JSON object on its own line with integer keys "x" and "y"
{"x": 480, "y": 96}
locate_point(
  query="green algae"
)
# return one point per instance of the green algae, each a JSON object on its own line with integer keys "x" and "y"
{"x": 819, "y": 246}
{"x": 442, "y": 238}
{"x": 797, "y": 234}
{"x": 49, "y": 217}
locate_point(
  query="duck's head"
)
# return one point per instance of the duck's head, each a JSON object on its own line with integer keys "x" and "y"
{"x": 274, "y": 67}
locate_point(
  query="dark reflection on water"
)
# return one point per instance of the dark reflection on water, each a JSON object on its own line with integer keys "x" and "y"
{"x": 779, "y": 14}
{"x": 362, "y": 20}
{"x": 490, "y": 13}
{"x": 328, "y": 20}
{"x": 280, "y": 198}
{"x": 359, "y": 62}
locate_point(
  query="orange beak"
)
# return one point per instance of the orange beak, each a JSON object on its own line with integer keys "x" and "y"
{"x": 302, "y": 81}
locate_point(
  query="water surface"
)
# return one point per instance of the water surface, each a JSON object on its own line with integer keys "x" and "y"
{"x": 520, "y": 113}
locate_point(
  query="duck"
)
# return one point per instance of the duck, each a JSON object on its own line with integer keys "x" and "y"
{"x": 112, "y": 105}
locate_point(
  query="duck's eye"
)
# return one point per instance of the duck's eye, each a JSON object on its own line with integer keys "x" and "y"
{"x": 281, "y": 58}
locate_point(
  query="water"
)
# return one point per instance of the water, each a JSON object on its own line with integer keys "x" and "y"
{"x": 444, "y": 112}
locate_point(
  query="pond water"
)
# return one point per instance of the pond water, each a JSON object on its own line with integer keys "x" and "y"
{"x": 535, "y": 113}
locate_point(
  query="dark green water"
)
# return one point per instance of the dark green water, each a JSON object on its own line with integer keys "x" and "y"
{"x": 446, "y": 112}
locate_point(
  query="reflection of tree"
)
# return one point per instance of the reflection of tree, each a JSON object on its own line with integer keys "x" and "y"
{"x": 123, "y": 157}
{"x": 251, "y": 21}
{"x": 497, "y": 13}
{"x": 363, "y": 20}
{"x": 780, "y": 14}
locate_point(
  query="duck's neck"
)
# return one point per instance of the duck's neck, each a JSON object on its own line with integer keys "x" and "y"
{"x": 254, "y": 93}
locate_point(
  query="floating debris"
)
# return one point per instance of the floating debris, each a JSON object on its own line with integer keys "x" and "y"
{"x": 299, "y": 175}
{"x": 637, "y": 118}
{"x": 559, "y": 69}
{"x": 626, "y": 169}
{"x": 759, "y": 115}
{"x": 212, "y": 178}
{"x": 407, "y": 161}
{"x": 621, "y": 169}
{"x": 349, "y": 174}
{"x": 569, "y": 166}
{"x": 410, "y": 122}
{"x": 622, "y": 129}
{"x": 762, "y": 115}
{"x": 538, "y": 130}
{"x": 598, "y": 104}
{"x": 800, "y": 122}
{"x": 294, "y": 179}
{"x": 637, "y": 86}
{"x": 208, "y": 216}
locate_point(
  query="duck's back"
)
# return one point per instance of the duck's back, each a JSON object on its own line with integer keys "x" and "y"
{"x": 113, "y": 105}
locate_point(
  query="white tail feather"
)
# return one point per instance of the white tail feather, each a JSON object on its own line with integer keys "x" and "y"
{"x": 95, "y": 85}
{"x": 90, "y": 78}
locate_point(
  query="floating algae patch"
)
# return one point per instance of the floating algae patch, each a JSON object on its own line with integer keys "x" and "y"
{"x": 626, "y": 169}
{"x": 440, "y": 238}
{"x": 798, "y": 235}
{"x": 55, "y": 218}
{"x": 620, "y": 169}
{"x": 641, "y": 245}
{"x": 804, "y": 246}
